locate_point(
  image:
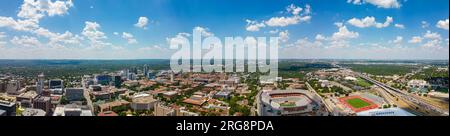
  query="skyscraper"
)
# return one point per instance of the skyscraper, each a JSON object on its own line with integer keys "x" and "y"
{"x": 40, "y": 83}
{"x": 146, "y": 68}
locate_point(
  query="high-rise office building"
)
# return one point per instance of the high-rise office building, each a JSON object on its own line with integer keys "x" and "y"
{"x": 117, "y": 81}
{"x": 56, "y": 86}
{"x": 40, "y": 83}
{"x": 146, "y": 70}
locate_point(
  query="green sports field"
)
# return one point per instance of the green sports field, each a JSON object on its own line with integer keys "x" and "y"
{"x": 357, "y": 103}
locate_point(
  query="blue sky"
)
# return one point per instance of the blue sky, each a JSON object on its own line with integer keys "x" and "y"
{"x": 337, "y": 29}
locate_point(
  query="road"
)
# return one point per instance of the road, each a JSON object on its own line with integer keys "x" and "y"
{"x": 412, "y": 100}
{"x": 88, "y": 99}
{"x": 328, "y": 107}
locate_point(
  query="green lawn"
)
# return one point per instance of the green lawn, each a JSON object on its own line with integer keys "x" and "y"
{"x": 363, "y": 83}
{"x": 357, "y": 103}
{"x": 287, "y": 104}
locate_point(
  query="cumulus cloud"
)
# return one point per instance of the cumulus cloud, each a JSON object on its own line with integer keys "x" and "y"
{"x": 284, "y": 36}
{"x": 434, "y": 40}
{"x": 36, "y": 9}
{"x": 92, "y": 32}
{"x": 397, "y": 41}
{"x": 425, "y": 24}
{"x": 297, "y": 15}
{"x": 204, "y": 31}
{"x": 344, "y": 33}
{"x": 415, "y": 40}
{"x": 370, "y": 22}
{"x": 285, "y": 21}
{"x": 254, "y": 26}
{"x": 430, "y": 39}
{"x": 19, "y": 25}
{"x": 320, "y": 37}
{"x": 401, "y": 26}
{"x": 142, "y": 22}
{"x": 2, "y": 36}
{"x": 26, "y": 41}
{"x": 443, "y": 24}
{"x": 378, "y": 3}
{"x": 339, "y": 39}
{"x": 129, "y": 37}
{"x": 30, "y": 13}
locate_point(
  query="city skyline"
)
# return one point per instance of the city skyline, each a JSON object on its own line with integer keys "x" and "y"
{"x": 343, "y": 29}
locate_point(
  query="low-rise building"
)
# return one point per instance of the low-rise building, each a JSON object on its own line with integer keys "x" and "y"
{"x": 43, "y": 103}
{"x": 143, "y": 102}
{"x": 8, "y": 107}
{"x": 33, "y": 112}
{"x": 26, "y": 99}
{"x": 163, "y": 110}
{"x": 2, "y": 112}
{"x": 110, "y": 105}
{"x": 74, "y": 94}
{"x": 72, "y": 110}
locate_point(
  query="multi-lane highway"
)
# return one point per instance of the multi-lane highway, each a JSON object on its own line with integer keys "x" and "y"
{"x": 417, "y": 102}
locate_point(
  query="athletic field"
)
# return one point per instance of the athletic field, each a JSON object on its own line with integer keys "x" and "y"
{"x": 357, "y": 103}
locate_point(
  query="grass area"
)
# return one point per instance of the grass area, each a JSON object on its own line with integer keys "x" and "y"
{"x": 363, "y": 83}
{"x": 357, "y": 103}
{"x": 287, "y": 104}
{"x": 382, "y": 69}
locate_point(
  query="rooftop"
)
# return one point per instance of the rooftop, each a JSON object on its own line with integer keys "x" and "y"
{"x": 33, "y": 112}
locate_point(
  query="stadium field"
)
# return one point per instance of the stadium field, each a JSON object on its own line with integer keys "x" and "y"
{"x": 357, "y": 103}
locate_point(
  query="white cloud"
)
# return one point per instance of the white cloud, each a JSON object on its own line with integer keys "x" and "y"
{"x": 116, "y": 33}
{"x": 339, "y": 39}
{"x": 178, "y": 39}
{"x": 344, "y": 33}
{"x": 298, "y": 15}
{"x": 31, "y": 11}
{"x": 432, "y": 36}
{"x": 274, "y": 31}
{"x": 370, "y": 22}
{"x": 2, "y": 36}
{"x": 285, "y": 21}
{"x": 26, "y": 41}
{"x": 36, "y": 9}
{"x": 284, "y": 36}
{"x": 443, "y": 24}
{"x": 378, "y": 3}
{"x": 431, "y": 40}
{"x": 129, "y": 37}
{"x": 142, "y": 22}
{"x": 19, "y": 25}
{"x": 304, "y": 43}
{"x": 91, "y": 31}
{"x": 254, "y": 26}
{"x": 434, "y": 40}
{"x": 415, "y": 39}
{"x": 294, "y": 9}
{"x": 425, "y": 24}
{"x": 320, "y": 37}
{"x": 401, "y": 26}
{"x": 398, "y": 40}
{"x": 204, "y": 31}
